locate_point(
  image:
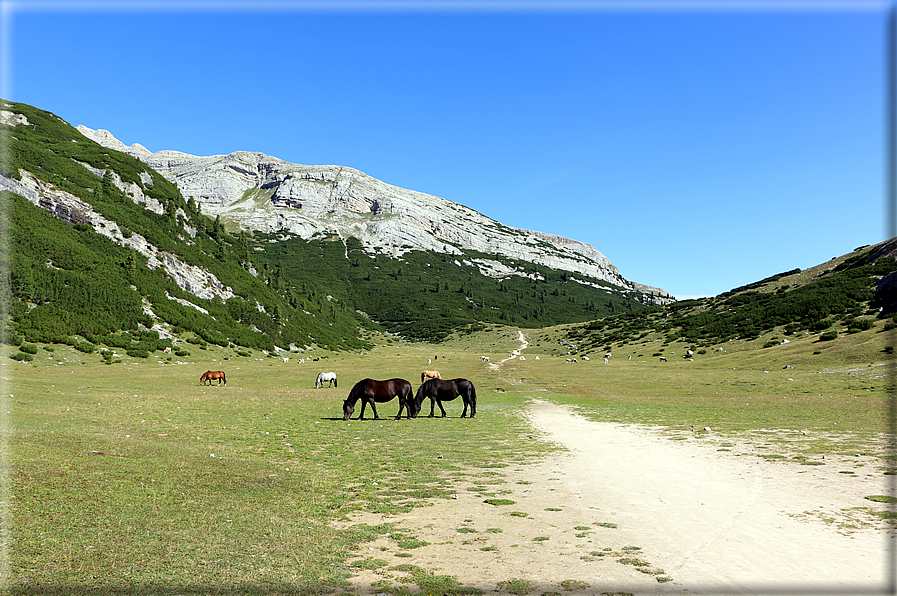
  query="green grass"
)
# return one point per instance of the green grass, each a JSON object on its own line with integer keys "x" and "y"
{"x": 138, "y": 476}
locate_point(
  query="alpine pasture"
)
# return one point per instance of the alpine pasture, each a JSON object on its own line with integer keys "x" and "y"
{"x": 133, "y": 476}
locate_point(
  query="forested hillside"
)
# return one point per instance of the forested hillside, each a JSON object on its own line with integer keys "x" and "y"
{"x": 426, "y": 296}
{"x": 846, "y": 295}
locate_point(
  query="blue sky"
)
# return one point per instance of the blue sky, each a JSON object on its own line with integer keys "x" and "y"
{"x": 699, "y": 145}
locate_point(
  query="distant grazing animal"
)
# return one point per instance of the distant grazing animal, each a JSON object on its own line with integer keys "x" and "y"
{"x": 571, "y": 359}
{"x": 429, "y": 374}
{"x": 485, "y": 358}
{"x": 607, "y": 355}
{"x": 439, "y": 391}
{"x": 211, "y": 375}
{"x": 663, "y": 359}
{"x": 585, "y": 357}
{"x": 370, "y": 391}
{"x": 324, "y": 378}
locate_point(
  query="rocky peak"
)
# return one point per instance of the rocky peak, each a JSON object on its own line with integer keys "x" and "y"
{"x": 254, "y": 191}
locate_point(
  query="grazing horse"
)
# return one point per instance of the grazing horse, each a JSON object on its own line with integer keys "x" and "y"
{"x": 370, "y": 391}
{"x": 211, "y": 375}
{"x": 439, "y": 391}
{"x": 429, "y": 374}
{"x": 325, "y": 377}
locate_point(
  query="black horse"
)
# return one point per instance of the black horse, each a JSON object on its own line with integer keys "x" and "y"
{"x": 370, "y": 391}
{"x": 439, "y": 390}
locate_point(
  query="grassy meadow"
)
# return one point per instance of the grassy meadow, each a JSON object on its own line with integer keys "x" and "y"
{"x": 133, "y": 478}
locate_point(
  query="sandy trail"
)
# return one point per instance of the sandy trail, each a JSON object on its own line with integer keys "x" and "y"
{"x": 723, "y": 523}
{"x": 624, "y": 505}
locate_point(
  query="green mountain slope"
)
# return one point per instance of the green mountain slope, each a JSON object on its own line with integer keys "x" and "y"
{"x": 289, "y": 291}
{"x": 61, "y": 280}
{"x": 105, "y": 251}
{"x": 846, "y": 295}
{"x": 426, "y": 296}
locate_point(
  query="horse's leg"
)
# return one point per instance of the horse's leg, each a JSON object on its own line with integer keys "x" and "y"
{"x": 432, "y": 405}
{"x": 403, "y": 404}
{"x": 473, "y": 406}
{"x": 441, "y": 409}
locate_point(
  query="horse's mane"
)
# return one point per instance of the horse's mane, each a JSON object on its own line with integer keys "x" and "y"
{"x": 357, "y": 391}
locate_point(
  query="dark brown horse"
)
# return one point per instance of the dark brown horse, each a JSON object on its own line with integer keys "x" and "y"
{"x": 439, "y": 390}
{"x": 370, "y": 392}
{"x": 211, "y": 375}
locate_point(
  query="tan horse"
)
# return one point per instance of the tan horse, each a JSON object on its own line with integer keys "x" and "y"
{"x": 429, "y": 374}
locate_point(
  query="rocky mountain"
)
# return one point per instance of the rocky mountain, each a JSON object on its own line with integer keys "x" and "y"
{"x": 256, "y": 192}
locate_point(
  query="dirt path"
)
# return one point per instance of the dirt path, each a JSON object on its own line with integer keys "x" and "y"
{"x": 626, "y": 510}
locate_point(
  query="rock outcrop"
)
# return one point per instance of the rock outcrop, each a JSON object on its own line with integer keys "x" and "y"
{"x": 253, "y": 191}
{"x": 67, "y": 206}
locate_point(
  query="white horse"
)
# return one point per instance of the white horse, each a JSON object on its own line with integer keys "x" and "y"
{"x": 325, "y": 377}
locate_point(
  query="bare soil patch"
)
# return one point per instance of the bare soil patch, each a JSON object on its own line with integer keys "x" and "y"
{"x": 626, "y": 510}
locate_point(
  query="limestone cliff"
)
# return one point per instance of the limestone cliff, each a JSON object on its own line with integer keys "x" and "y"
{"x": 253, "y": 191}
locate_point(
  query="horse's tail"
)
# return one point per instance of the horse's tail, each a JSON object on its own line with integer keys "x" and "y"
{"x": 334, "y": 382}
{"x": 318, "y": 381}
{"x": 223, "y": 378}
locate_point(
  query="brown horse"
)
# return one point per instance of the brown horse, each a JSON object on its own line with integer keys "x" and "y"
{"x": 211, "y": 375}
{"x": 370, "y": 391}
{"x": 439, "y": 391}
{"x": 429, "y": 374}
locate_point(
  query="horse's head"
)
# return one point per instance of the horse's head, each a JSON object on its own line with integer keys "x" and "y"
{"x": 414, "y": 404}
{"x": 348, "y": 409}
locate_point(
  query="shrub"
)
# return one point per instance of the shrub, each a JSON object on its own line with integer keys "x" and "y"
{"x": 828, "y": 335}
{"x": 22, "y": 357}
{"x": 29, "y": 348}
{"x": 858, "y": 325}
{"x": 821, "y": 325}
{"x": 85, "y": 346}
